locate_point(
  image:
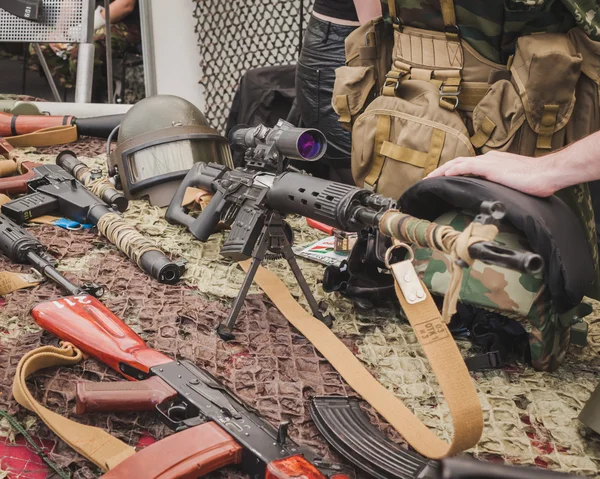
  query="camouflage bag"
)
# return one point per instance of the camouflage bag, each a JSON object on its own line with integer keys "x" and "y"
{"x": 516, "y": 295}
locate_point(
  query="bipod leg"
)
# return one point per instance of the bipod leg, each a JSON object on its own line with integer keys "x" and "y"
{"x": 225, "y": 330}
{"x": 288, "y": 254}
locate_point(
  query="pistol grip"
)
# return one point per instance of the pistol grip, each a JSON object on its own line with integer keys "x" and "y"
{"x": 122, "y": 395}
{"x": 207, "y": 221}
{"x": 13, "y": 185}
{"x": 188, "y": 454}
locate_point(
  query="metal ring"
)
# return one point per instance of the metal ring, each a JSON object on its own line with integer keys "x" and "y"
{"x": 388, "y": 253}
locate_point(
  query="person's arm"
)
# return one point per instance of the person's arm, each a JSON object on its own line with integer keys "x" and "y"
{"x": 542, "y": 176}
{"x": 367, "y": 10}
{"x": 119, "y": 9}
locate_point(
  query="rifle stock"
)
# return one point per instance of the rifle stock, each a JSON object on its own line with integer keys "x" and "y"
{"x": 189, "y": 454}
{"x": 93, "y": 328}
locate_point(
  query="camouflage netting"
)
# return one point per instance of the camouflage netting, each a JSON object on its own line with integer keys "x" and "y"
{"x": 530, "y": 417}
{"x": 268, "y": 33}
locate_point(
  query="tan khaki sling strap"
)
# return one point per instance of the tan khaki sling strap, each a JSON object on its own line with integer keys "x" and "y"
{"x": 439, "y": 347}
{"x": 54, "y": 135}
{"x": 95, "y": 444}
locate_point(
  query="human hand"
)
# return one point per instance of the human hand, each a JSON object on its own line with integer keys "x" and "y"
{"x": 521, "y": 173}
{"x": 99, "y": 20}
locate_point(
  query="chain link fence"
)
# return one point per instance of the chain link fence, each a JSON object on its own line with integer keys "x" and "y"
{"x": 235, "y": 37}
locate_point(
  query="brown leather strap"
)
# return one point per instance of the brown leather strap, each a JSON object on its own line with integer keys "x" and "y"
{"x": 439, "y": 347}
{"x": 91, "y": 442}
{"x": 54, "y": 135}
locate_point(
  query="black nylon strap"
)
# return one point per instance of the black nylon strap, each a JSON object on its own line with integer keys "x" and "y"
{"x": 13, "y": 122}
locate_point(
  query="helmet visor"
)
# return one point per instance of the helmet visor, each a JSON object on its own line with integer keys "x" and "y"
{"x": 165, "y": 159}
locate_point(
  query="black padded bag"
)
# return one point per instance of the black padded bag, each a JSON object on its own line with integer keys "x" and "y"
{"x": 551, "y": 228}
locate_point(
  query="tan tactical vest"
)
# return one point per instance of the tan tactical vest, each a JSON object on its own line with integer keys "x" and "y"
{"x": 429, "y": 97}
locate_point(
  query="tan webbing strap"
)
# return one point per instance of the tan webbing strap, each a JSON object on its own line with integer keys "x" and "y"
{"x": 435, "y": 150}
{"x": 404, "y": 155}
{"x": 392, "y": 11}
{"x": 369, "y": 51}
{"x": 54, "y": 135}
{"x": 449, "y": 16}
{"x": 392, "y": 81}
{"x": 95, "y": 444}
{"x": 10, "y": 281}
{"x": 473, "y": 233}
{"x": 471, "y": 93}
{"x": 547, "y": 127}
{"x": 382, "y": 133}
{"x": 342, "y": 107}
{"x": 449, "y": 93}
{"x": 439, "y": 347}
{"x": 483, "y": 134}
{"x": 429, "y": 161}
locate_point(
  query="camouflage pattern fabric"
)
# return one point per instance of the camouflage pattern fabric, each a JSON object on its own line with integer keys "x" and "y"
{"x": 579, "y": 200}
{"x": 62, "y": 61}
{"x": 492, "y": 27}
{"x": 516, "y": 295}
{"x": 530, "y": 416}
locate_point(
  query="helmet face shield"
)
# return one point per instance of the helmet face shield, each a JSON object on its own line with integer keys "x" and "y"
{"x": 154, "y": 164}
{"x": 165, "y": 159}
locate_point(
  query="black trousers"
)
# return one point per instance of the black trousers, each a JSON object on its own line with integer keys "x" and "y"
{"x": 323, "y": 52}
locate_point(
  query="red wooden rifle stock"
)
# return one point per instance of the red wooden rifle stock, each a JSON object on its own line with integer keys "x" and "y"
{"x": 163, "y": 383}
{"x": 14, "y": 184}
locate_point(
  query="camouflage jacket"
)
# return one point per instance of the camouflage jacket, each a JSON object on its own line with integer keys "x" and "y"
{"x": 493, "y": 26}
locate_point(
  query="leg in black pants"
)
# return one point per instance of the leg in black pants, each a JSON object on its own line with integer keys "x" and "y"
{"x": 323, "y": 52}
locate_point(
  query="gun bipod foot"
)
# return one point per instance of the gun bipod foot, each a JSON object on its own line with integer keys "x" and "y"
{"x": 225, "y": 333}
{"x": 327, "y": 320}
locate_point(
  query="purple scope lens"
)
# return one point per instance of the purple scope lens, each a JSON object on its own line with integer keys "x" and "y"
{"x": 308, "y": 146}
